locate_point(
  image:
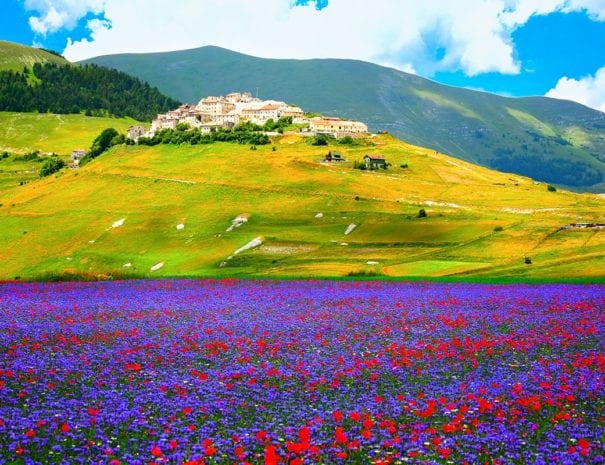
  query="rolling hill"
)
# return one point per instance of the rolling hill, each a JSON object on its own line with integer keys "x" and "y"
{"x": 14, "y": 57}
{"x": 551, "y": 140}
{"x": 180, "y": 210}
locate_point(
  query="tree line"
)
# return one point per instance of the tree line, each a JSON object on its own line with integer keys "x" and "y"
{"x": 241, "y": 134}
{"x": 90, "y": 89}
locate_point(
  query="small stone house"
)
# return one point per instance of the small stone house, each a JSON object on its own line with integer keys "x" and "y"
{"x": 334, "y": 156}
{"x": 134, "y": 132}
{"x": 373, "y": 162}
{"x": 77, "y": 154}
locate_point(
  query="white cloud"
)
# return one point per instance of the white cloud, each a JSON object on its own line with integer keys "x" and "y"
{"x": 394, "y": 32}
{"x": 589, "y": 90}
{"x": 429, "y": 36}
{"x": 59, "y": 14}
{"x": 596, "y": 8}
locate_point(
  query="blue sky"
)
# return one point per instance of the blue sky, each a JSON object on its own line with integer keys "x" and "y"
{"x": 512, "y": 47}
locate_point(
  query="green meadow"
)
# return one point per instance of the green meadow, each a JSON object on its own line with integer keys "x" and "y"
{"x": 45, "y": 132}
{"x": 480, "y": 223}
{"x": 22, "y": 133}
{"x": 14, "y": 57}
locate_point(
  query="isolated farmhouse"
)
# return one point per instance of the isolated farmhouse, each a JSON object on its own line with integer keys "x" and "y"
{"x": 373, "y": 162}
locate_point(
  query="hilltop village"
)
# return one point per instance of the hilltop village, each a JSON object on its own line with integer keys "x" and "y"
{"x": 212, "y": 113}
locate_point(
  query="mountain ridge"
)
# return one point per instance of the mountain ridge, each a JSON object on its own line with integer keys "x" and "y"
{"x": 551, "y": 140}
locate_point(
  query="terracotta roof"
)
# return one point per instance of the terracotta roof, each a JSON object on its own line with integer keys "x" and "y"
{"x": 375, "y": 157}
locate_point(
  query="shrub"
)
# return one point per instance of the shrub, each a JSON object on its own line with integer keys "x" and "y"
{"x": 103, "y": 141}
{"x": 320, "y": 139}
{"x": 50, "y": 166}
{"x": 498, "y": 229}
{"x": 31, "y": 156}
{"x": 551, "y": 188}
{"x": 364, "y": 273}
{"x": 405, "y": 165}
{"x": 422, "y": 213}
{"x": 347, "y": 140}
{"x": 527, "y": 260}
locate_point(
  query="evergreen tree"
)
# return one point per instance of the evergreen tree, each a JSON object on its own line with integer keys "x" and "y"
{"x": 91, "y": 89}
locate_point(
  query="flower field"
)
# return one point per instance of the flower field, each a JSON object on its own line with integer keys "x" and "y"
{"x": 301, "y": 372}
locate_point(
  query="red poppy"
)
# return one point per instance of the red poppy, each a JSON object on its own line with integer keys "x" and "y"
{"x": 340, "y": 435}
{"x": 304, "y": 434}
{"x": 271, "y": 457}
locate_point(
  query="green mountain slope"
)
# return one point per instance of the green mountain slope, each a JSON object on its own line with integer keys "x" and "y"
{"x": 551, "y": 140}
{"x": 14, "y": 57}
{"x": 57, "y": 86}
{"x": 307, "y": 217}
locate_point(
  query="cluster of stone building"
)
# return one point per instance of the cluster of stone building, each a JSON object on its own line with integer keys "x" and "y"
{"x": 226, "y": 112}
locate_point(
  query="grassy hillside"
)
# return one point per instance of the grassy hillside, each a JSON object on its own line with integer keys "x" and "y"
{"x": 551, "y": 140}
{"x": 119, "y": 216}
{"x": 21, "y": 133}
{"x": 14, "y": 57}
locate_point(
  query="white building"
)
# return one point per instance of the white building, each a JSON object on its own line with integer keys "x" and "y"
{"x": 136, "y": 131}
{"x": 214, "y": 112}
{"x": 215, "y": 106}
{"x": 206, "y": 128}
{"x": 337, "y": 127}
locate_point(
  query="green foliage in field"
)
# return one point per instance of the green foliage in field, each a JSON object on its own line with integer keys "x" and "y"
{"x": 246, "y": 133}
{"x": 51, "y": 165}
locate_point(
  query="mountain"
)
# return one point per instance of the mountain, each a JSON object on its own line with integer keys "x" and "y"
{"x": 14, "y": 57}
{"x": 551, "y": 140}
{"x": 304, "y": 216}
{"x": 57, "y": 86}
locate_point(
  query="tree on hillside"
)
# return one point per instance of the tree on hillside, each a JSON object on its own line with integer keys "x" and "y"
{"x": 93, "y": 90}
{"x": 102, "y": 142}
{"x": 320, "y": 139}
{"x": 50, "y": 166}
